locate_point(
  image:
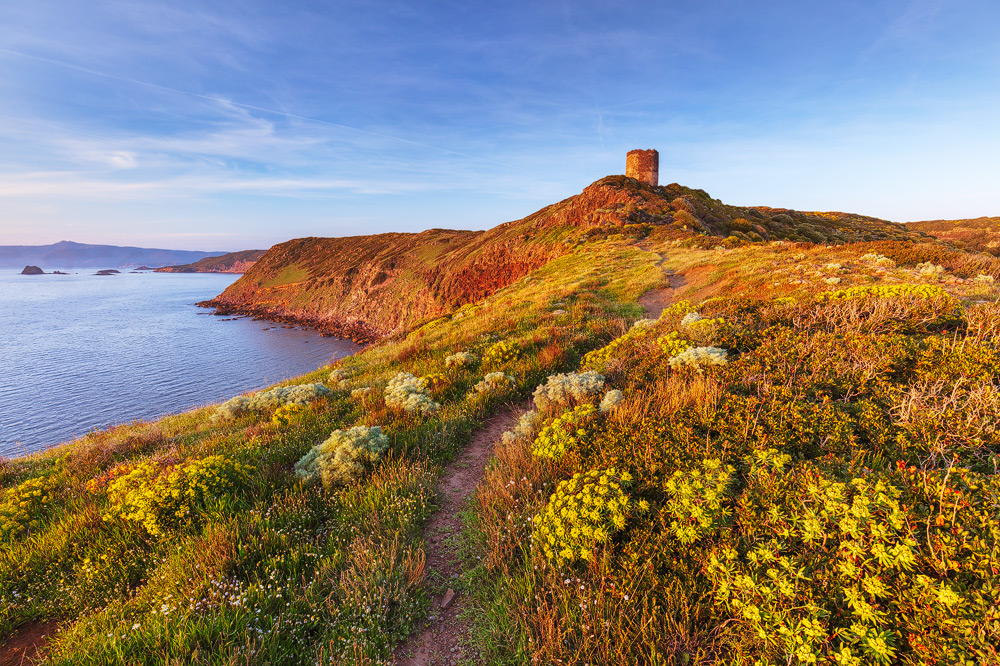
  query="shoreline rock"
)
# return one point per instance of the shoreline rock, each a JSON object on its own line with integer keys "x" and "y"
{"x": 356, "y": 332}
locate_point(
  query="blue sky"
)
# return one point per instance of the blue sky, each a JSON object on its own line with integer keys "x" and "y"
{"x": 229, "y": 125}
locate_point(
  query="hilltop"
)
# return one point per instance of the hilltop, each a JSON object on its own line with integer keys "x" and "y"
{"x": 366, "y": 287}
{"x": 231, "y": 262}
{"x": 639, "y": 426}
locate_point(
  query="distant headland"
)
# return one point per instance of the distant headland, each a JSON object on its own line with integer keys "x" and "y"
{"x": 67, "y": 254}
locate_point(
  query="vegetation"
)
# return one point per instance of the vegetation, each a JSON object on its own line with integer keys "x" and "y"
{"x": 367, "y": 287}
{"x": 231, "y": 262}
{"x": 779, "y": 468}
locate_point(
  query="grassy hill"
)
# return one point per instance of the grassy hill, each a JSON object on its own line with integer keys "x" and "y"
{"x": 231, "y": 262}
{"x": 979, "y": 235}
{"x": 795, "y": 461}
{"x": 370, "y": 286}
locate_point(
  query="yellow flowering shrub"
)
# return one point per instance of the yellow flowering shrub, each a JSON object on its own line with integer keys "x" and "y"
{"x": 21, "y": 506}
{"x": 673, "y": 344}
{"x": 597, "y": 358}
{"x": 500, "y": 353}
{"x": 435, "y": 382}
{"x": 583, "y": 512}
{"x": 885, "y": 291}
{"x": 283, "y": 415}
{"x": 159, "y": 497}
{"x": 696, "y": 500}
{"x": 563, "y": 433}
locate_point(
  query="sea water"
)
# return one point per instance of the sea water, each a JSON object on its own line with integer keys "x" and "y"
{"x": 81, "y": 351}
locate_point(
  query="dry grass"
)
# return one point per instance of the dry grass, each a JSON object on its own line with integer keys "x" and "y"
{"x": 514, "y": 488}
{"x": 946, "y": 417}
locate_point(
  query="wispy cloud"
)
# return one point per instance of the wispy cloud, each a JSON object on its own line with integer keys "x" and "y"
{"x": 71, "y": 185}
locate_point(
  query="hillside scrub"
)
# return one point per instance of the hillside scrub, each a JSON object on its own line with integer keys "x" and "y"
{"x": 776, "y": 470}
{"x": 827, "y": 495}
{"x": 365, "y": 287}
{"x": 284, "y": 526}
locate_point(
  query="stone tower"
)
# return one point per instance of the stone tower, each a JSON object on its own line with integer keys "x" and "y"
{"x": 643, "y": 165}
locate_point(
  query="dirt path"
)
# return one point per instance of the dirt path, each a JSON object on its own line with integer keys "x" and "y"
{"x": 439, "y": 641}
{"x": 24, "y": 645}
{"x": 655, "y": 300}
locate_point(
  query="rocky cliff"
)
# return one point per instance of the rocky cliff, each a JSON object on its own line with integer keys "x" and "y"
{"x": 365, "y": 287}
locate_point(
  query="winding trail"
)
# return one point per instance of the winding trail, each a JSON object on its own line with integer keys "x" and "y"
{"x": 439, "y": 641}
{"x": 22, "y": 648}
{"x": 655, "y": 301}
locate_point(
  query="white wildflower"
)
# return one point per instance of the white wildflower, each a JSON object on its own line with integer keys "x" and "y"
{"x": 569, "y": 388}
{"x": 611, "y": 400}
{"x": 698, "y": 358}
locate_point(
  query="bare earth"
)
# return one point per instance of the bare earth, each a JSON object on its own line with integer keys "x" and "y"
{"x": 655, "y": 300}
{"x": 439, "y": 641}
{"x": 24, "y": 645}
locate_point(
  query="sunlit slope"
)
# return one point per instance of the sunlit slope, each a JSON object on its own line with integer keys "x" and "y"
{"x": 368, "y": 286}
{"x": 823, "y": 410}
{"x": 981, "y": 234}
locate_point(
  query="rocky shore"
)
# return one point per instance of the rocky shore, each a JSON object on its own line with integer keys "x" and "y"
{"x": 356, "y": 332}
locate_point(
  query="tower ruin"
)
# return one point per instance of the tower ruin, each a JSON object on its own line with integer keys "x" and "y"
{"x": 643, "y": 165}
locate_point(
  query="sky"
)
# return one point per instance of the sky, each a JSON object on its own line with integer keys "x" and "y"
{"x": 240, "y": 124}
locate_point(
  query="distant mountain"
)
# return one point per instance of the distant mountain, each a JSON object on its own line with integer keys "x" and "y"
{"x": 67, "y": 254}
{"x": 233, "y": 262}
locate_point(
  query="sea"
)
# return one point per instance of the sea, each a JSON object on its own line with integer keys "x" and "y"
{"x": 82, "y": 351}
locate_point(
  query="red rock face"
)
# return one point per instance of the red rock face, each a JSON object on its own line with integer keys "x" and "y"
{"x": 365, "y": 287}
{"x": 644, "y": 166}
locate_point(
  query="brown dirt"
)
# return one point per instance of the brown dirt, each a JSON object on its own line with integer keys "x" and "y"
{"x": 439, "y": 641}
{"x": 22, "y": 648}
{"x": 656, "y": 300}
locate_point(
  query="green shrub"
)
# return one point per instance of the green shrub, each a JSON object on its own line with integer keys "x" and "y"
{"x": 461, "y": 360}
{"x": 611, "y": 400}
{"x": 160, "y": 498}
{"x": 582, "y": 513}
{"x": 698, "y": 358}
{"x": 409, "y": 394}
{"x": 301, "y": 395}
{"x": 495, "y": 382}
{"x": 344, "y": 457}
{"x": 568, "y": 389}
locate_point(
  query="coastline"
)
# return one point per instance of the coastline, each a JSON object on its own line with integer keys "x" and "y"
{"x": 357, "y": 332}
{"x": 87, "y": 352}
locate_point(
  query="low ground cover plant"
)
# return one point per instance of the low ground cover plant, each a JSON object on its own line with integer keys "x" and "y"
{"x": 821, "y": 480}
{"x": 300, "y": 395}
{"x": 828, "y": 495}
{"x": 344, "y": 456}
